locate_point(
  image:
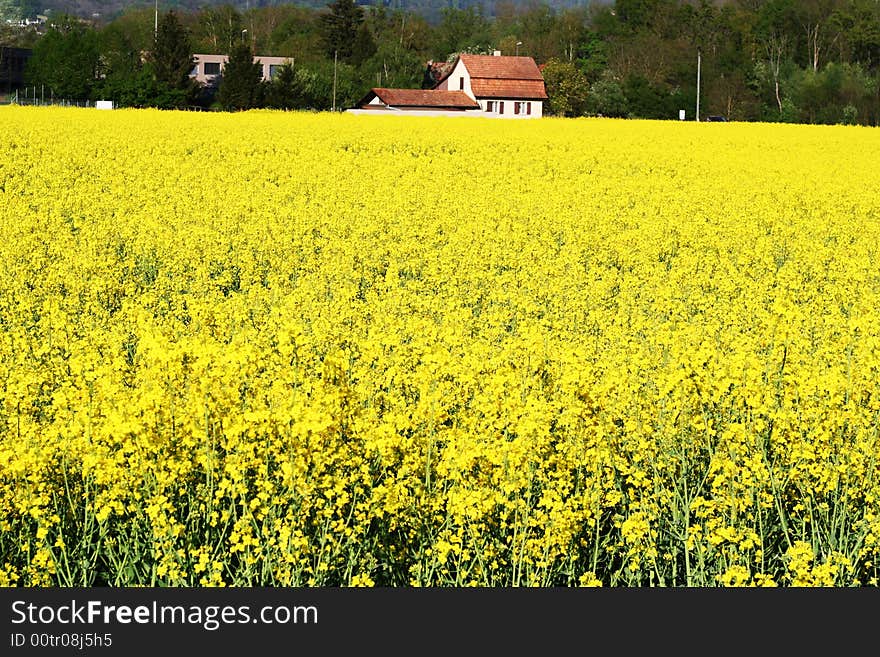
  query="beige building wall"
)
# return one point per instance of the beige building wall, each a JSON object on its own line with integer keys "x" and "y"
{"x": 208, "y": 67}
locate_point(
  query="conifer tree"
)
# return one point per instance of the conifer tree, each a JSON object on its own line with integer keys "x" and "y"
{"x": 364, "y": 46}
{"x": 339, "y": 28}
{"x": 241, "y": 80}
{"x": 172, "y": 61}
{"x": 285, "y": 91}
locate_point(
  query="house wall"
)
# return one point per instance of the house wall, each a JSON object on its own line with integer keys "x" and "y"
{"x": 198, "y": 71}
{"x": 451, "y": 83}
{"x": 537, "y": 108}
{"x": 414, "y": 112}
{"x": 270, "y": 65}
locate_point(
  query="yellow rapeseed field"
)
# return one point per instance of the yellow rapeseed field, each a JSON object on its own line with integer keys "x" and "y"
{"x": 306, "y": 349}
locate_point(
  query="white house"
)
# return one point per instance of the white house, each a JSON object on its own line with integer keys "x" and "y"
{"x": 475, "y": 85}
{"x": 503, "y": 85}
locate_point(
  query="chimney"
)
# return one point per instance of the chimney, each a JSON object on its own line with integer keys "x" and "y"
{"x": 497, "y": 53}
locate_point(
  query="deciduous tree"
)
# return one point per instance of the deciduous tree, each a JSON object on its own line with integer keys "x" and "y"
{"x": 567, "y": 88}
{"x": 65, "y": 60}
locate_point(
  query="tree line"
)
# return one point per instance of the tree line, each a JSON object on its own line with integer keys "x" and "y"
{"x": 810, "y": 61}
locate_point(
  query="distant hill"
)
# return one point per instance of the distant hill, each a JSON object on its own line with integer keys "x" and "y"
{"x": 107, "y": 10}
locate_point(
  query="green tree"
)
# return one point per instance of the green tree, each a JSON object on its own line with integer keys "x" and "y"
{"x": 406, "y": 29}
{"x": 339, "y": 29}
{"x": 592, "y": 56}
{"x": 364, "y": 46}
{"x": 540, "y": 35}
{"x": 123, "y": 77}
{"x": 286, "y": 90}
{"x": 606, "y": 98}
{"x": 567, "y": 88}
{"x": 318, "y": 86}
{"x": 136, "y": 26}
{"x": 298, "y": 36}
{"x": 461, "y": 30}
{"x": 135, "y": 88}
{"x": 172, "y": 56}
{"x": 8, "y": 10}
{"x": 838, "y": 93}
{"x": 647, "y": 100}
{"x": 14, "y": 37}
{"x": 393, "y": 66}
{"x": 657, "y": 16}
{"x": 218, "y": 30}
{"x": 857, "y": 29}
{"x": 65, "y": 60}
{"x": 241, "y": 80}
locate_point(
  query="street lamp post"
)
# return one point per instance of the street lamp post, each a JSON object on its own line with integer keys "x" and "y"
{"x": 518, "y": 44}
{"x": 156, "y": 21}
{"x": 698, "y": 85}
{"x": 335, "y": 53}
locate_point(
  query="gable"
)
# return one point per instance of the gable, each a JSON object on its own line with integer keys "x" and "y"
{"x": 497, "y": 76}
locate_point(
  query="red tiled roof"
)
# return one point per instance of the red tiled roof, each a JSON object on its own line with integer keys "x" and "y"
{"x": 487, "y": 88}
{"x": 501, "y": 67}
{"x": 425, "y": 98}
{"x": 503, "y": 76}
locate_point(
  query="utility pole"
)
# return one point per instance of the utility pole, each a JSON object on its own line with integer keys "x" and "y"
{"x": 698, "y": 85}
{"x": 156, "y": 22}
{"x": 334, "y": 79}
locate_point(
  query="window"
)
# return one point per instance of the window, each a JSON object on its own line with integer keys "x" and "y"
{"x": 461, "y": 84}
{"x": 528, "y": 109}
{"x": 522, "y": 107}
{"x": 516, "y": 107}
{"x": 490, "y": 105}
{"x": 212, "y": 68}
{"x": 273, "y": 70}
{"x": 501, "y": 107}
